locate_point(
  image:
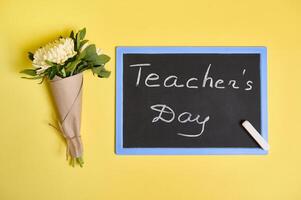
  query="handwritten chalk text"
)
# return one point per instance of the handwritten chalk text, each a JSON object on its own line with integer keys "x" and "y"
{"x": 167, "y": 115}
{"x": 153, "y": 80}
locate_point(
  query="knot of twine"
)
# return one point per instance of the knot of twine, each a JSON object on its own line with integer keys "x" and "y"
{"x": 67, "y": 138}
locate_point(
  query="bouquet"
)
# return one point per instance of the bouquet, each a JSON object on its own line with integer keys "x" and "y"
{"x": 61, "y": 63}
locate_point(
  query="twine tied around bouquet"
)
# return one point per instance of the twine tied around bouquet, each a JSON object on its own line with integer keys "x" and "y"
{"x": 60, "y": 130}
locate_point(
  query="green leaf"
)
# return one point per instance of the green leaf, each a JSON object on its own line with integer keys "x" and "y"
{"x": 71, "y": 67}
{"x": 97, "y": 70}
{"x": 63, "y": 72}
{"x": 82, "y": 34}
{"x": 30, "y": 72}
{"x": 68, "y": 65}
{"x": 52, "y": 73}
{"x": 81, "y": 55}
{"x": 82, "y": 66}
{"x": 50, "y": 63}
{"x": 90, "y": 50}
{"x": 80, "y": 161}
{"x": 101, "y": 59}
{"x": 32, "y": 78}
{"x": 77, "y": 42}
{"x": 82, "y": 43}
{"x": 104, "y": 74}
{"x": 30, "y": 56}
{"x": 92, "y": 58}
{"x": 48, "y": 70}
{"x": 90, "y": 53}
{"x": 72, "y": 35}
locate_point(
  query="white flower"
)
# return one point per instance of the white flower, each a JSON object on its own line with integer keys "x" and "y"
{"x": 56, "y": 52}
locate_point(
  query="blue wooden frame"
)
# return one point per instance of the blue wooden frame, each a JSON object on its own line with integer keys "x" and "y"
{"x": 188, "y": 151}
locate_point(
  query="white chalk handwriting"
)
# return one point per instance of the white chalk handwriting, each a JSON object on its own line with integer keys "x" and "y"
{"x": 203, "y": 81}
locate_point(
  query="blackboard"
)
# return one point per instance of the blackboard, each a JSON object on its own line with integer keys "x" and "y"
{"x": 190, "y": 100}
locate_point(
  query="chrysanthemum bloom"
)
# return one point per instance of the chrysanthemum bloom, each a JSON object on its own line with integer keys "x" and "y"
{"x": 56, "y": 52}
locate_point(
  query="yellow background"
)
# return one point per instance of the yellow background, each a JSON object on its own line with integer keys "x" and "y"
{"x": 32, "y": 154}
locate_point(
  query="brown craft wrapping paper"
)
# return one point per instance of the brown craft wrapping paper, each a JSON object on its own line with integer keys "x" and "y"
{"x": 67, "y": 94}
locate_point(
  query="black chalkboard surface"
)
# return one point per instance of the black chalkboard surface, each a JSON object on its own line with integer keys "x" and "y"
{"x": 190, "y": 100}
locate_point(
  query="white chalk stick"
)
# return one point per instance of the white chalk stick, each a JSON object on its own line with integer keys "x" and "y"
{"x": 254, "y": 133}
